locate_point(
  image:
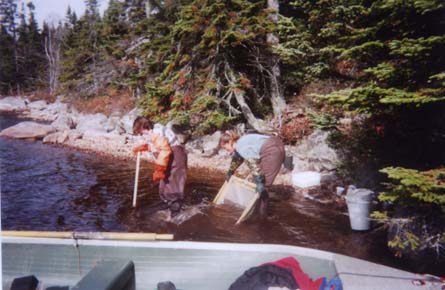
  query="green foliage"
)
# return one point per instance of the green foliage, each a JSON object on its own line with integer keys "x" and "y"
{"x": 206, "y": 50}
{"x": 379, "y": 215}
{"x": 204, "y": 103}
{"x": 398, "y": 44}
{"x": 423, "y": 194}
{"x": 375, "y": 100}
{"x": 405, "y": 240}
{"x": 322, "y": 120}
{"x": 365, "y": 52}
{"x": 212, "y": 121}
{"x": 7, "y": 65}
{"x": 409, "y": 186}
{"x": 23, "y": 57}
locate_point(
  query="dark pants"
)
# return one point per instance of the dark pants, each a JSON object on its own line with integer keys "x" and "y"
{"x": 272, "y": 157}
{"x": 172, "y": 187}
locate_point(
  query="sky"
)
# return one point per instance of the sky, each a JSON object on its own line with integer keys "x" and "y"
{"x": 52, "y": 11}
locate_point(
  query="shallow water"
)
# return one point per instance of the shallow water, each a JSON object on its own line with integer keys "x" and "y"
{"x": 46, "y": 187}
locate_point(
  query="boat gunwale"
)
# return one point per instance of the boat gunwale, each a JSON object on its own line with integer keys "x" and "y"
{"x": 189, "y": 245}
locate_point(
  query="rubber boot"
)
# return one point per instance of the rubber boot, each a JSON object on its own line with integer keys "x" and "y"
{"x": 264, "y": 201}
{"x": 175, "y": 208}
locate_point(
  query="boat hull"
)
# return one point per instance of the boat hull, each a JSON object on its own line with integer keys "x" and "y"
{"x": 189, "y": 265}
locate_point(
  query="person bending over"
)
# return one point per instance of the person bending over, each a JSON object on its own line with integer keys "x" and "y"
{"x": 263, "y": 154}
{"x": 171, "y": 161}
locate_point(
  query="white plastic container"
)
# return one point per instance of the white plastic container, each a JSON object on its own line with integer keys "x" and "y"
{"x": 306, "y": 179}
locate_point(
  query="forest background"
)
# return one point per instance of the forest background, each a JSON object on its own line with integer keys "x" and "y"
{"x": 371, "y": 72}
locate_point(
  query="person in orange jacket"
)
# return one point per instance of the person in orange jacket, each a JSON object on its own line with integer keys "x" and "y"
{"x": 170, "y": 167}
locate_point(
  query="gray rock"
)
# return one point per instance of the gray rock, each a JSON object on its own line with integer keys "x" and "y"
{"x": 41, "y": 115}
{"x": 207, "y": 145}
{"x": 13, "y": 104}
{"x": 128, "y": 119}
{"x": 56, "y": 108}
{"x": 28, "y": 130}
{"x": 38, "y": 105}
{"x": 89, "y": 122}
{"x": 316, "y": 151}
{"x": 210, "y": 144}
{"x": 114, "y": 124}
{"x": 300, "y": 164}
{"x": 64, "y": 122}
{"x": 57, "y": 137}
{"x": 74, "y": 135}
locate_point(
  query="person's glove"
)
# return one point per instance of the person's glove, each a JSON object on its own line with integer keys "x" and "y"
{"x": 229, "y": 174}
{"x": 260, "y": 188}
{"x": 159, "y": 173}
{"x": 140, "y": 148}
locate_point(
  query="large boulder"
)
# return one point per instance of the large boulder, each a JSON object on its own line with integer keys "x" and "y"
{"x": 28, "y": 130}
{"x": 207, "y": 145}
{"x": 128, "y": 119}
{"x": 64, "y": 122}
{"x": 13, "y": 104}
{"x": 56, "y": 108}
{"x": 210, "y": 144}
{"x": 316, "y": 151}
{"x": 114, "y": 124}
{"x": 57, "y": 137}
{"x": 38, "y": 105}
{"x": 40, "y": 110}
{"x": 89, "y": 122}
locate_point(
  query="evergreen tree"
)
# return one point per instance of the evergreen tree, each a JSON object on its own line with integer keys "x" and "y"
{"x": 213, "y": 62}
{"x": 92, "y": 18}
{"x": 32, "y": 64}
{"x": 8, "y": 14}
{"x": 80, "y": 53}
{"x": 35, "y": 60}
{"x": 114, "y": 29}
{"x": 70, "y": 18}
{"x": 7, "y": 64}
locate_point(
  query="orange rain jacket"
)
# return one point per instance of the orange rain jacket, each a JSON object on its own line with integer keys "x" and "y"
{"x": 159, "y": 144}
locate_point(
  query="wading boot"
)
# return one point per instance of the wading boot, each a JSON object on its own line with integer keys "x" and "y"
{"x": 175, "y": 208}
{"x": 264, "y": 201}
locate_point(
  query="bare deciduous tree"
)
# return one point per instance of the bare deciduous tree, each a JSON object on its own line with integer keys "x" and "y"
{"x": 52, "y": 51}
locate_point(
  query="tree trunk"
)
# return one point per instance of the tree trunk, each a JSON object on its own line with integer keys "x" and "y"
{"x": 253, "y": 121}
{"x": 276, "y": 92}
{"x": 52, "y": 51}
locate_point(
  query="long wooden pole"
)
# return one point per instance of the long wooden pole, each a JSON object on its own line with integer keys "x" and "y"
{"x": 88, "y": 235}
{"x": 136, "y": 179}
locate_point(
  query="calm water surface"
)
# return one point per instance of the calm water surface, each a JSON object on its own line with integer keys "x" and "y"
{"x": 46, "y": 187}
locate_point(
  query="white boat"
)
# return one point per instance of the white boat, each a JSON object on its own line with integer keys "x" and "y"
{"x": 64, "y": 260}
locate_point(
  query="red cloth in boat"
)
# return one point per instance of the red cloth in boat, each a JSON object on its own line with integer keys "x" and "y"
{"x": 302, "y": 279}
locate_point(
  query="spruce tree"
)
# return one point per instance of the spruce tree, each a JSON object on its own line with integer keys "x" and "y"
{"x": 8, "y": 13}
{"x": 7, "y": 64}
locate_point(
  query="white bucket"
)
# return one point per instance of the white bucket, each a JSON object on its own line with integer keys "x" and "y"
{"x": 358, "y": 214}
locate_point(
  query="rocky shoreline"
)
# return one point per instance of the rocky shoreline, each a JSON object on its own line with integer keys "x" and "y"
{"x": 111, "y": 135}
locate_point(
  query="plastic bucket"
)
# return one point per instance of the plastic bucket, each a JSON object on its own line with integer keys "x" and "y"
{"x": 358, "y": 214}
